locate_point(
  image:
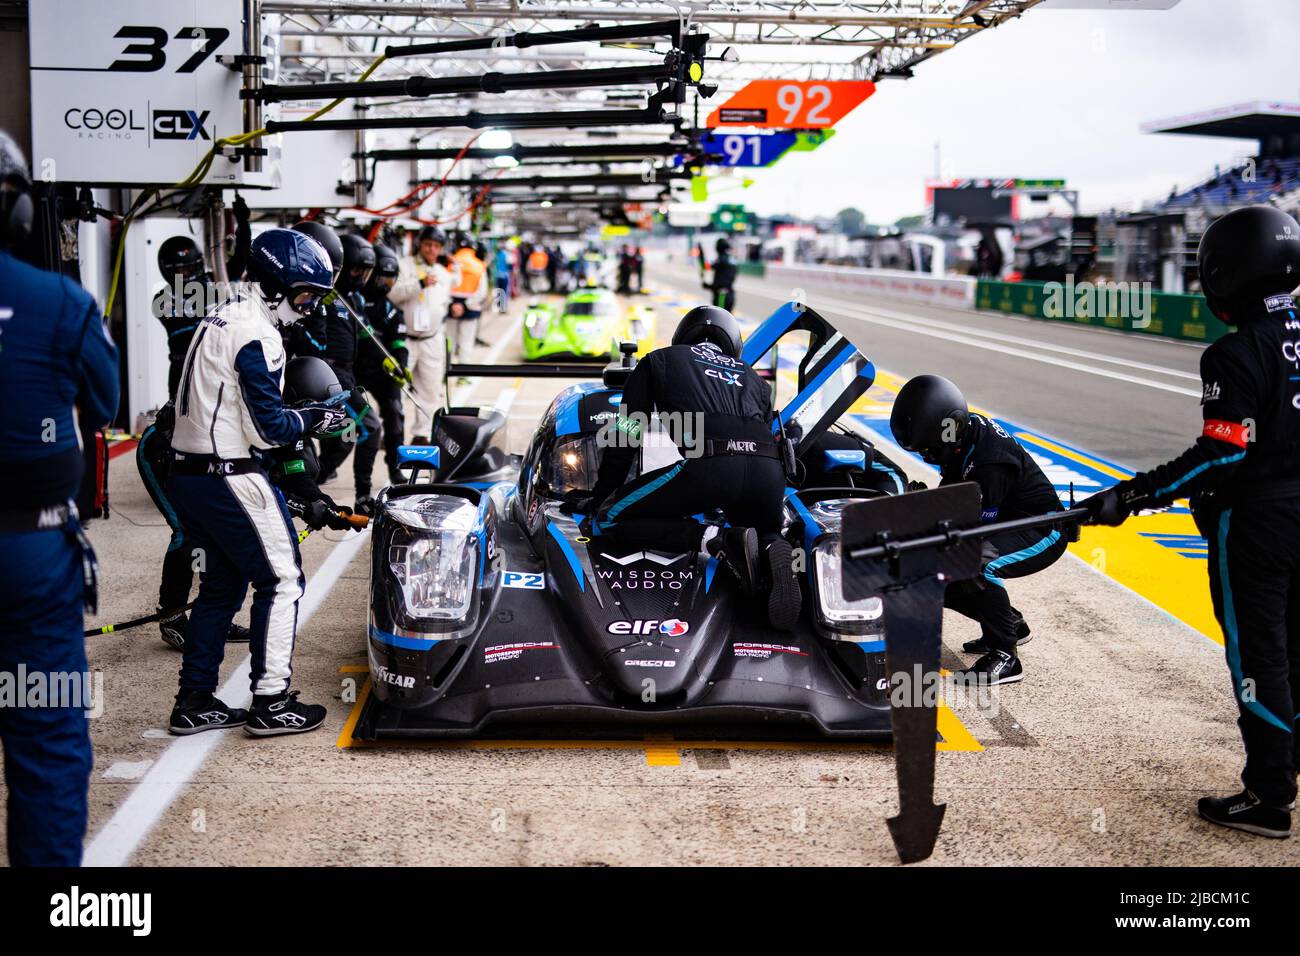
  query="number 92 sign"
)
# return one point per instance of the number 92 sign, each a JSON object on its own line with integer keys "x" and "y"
{"x": 792, "y": 104}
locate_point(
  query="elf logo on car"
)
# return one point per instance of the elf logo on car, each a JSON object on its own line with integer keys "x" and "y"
{"x": 397, "y": 680}
{"x": 669, "y": 628}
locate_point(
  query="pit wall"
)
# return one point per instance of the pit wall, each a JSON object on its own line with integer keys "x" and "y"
{"x": 1164, "y": 314}
{"x": 1169, "y": 315}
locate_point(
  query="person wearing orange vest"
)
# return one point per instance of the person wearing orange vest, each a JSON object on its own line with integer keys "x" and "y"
{"x": 538, "y": 259}
{"x": 468, "y": 297}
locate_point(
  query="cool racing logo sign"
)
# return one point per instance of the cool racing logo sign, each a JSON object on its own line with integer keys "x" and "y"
{"x": 673, "y": 627}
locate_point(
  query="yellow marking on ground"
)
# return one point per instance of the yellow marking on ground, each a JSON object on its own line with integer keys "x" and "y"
{"x": 660, "y": 751}
{"x": 1072, "y": 455}
{"x": 345, "y": 735}
{"x": 355, "y": 669}
{"x": 1160, "y": 574}
{"x": 956, "y": 738}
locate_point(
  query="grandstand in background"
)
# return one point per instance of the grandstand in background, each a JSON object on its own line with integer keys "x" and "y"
{"x": 1271, "y": 174}
{"x": 1159, "y": 244}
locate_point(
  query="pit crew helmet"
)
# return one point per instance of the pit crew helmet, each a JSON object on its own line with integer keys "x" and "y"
{"x": 358, "y": 262}
{"x": 709, "y": 323}
{"x": 309, "y": 380}
{"x": 15, "y": 193}
{"x": 930, "y": 418}
{"x": 1246, "y": 256}
{"x": 293, "y": 270}
{"x": 179, "y": 256}
{"x": 329, "y": 240}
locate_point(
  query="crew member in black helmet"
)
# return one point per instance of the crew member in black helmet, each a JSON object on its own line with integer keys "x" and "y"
{"x": 723, "y": 283}
{"x": 341, "y": 337}
{"x": 732, "y": 463}
{"x": 381, "y": 377}
{"x": 294, "y": 468}
{"x": 310, "y": 334}
{"x": 1243, "y": 479}
{"x": 930, "y": 418}
{"x": 180, "y": 307}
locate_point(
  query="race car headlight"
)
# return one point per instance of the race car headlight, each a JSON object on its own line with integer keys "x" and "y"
{"x": 434, "y": 555}
{"x": 830, "y": 589}
{"x": 535, "y": 323}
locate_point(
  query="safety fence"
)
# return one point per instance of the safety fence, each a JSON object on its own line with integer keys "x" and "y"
{"x": 1120, "y": 306}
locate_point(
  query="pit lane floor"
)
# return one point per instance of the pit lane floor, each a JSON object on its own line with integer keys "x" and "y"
{"x": 1125, "y": 718}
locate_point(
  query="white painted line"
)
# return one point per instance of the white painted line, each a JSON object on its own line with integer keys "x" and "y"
{"x": 494, "y": 353}
{"x": 172, "y": 772}
{"x": 1035, "y": 343}
{"x": 919, "y": 326}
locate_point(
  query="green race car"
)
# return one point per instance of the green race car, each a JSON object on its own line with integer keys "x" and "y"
{"x": 590, "y": 324}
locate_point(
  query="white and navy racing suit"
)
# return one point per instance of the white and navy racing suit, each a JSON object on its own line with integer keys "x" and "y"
{"x": 229, "y": 403}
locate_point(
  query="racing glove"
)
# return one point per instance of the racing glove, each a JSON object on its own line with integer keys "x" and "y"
{"x": 917, "y": 486}
{"x": 398, "y": 373}
{"x": 577, "y": 502}
{"x": 1112, "y": 506}
{"x": 323, "y": 419}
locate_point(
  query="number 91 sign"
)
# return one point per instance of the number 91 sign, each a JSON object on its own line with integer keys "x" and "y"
{"x": 792, "y": 104}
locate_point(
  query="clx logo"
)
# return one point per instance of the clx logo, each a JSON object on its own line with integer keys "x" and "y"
{"x": 180, "y": 124}
{"x": 729, "y": 378}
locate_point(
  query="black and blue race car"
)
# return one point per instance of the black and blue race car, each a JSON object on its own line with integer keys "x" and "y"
{"x": 492, "y": 611}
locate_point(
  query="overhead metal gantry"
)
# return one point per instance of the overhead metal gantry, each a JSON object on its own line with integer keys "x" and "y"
{"x": 508, "y": 65}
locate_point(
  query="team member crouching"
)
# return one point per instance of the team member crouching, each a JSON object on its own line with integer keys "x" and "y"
{"x": 229, "y": 402}
{"x": 930, "y": 418}
{"x": 1243, "y": 478}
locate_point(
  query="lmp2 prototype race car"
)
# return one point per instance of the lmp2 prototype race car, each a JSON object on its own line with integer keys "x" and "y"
{"x": 491, "y": 608}
{"x": 591, "y": 324}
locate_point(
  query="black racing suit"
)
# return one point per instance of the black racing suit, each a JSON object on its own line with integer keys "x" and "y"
{"x": 719, "y": 412}
{"x": 1011, "y": 486}
{"x": 385, "y": 393}
{"x": 341, "y": 354}
{"x": 180, "y": 317}
{"x": 1243, "y": 478}
{"x": 724, "y": 282}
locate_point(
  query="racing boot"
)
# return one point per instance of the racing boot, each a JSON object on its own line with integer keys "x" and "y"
{"x": 737, "y": 548}
{"x": 1245, "y": 811}
{"x": 238, "y": 634}
{"x": 981, "y": 646}
{"x": 784, "y": 599}
{"x": 198, "y": 710}
{"x": 364, "y": 505}
{"x": 275, "y": 714}
{"x": 995, "y": 667}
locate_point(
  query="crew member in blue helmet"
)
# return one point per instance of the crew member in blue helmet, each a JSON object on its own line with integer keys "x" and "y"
{"x": 229, "y": 402}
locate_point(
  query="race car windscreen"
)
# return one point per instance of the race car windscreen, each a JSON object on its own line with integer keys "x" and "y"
{"x": 602, "y": 309}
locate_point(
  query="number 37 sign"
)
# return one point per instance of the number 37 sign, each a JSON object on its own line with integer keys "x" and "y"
{"x": 792, "y": 104}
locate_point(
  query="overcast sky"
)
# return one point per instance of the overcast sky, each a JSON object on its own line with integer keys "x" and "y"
{"x": 1054, "y": 94}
